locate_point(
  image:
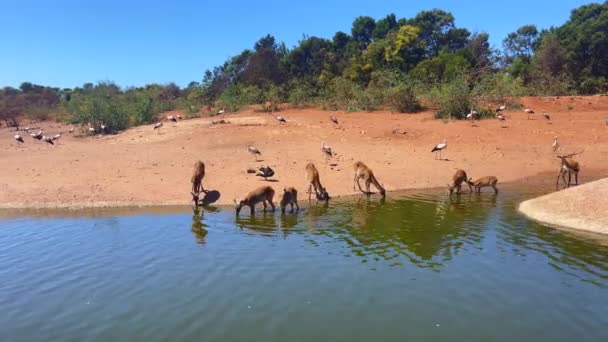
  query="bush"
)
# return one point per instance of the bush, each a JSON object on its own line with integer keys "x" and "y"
{"x": 369, "y": 99}
{"x": 301, "y": 95}
{"x": 402, "y": 98}
{"x": 454, "y": 100}
{"x": 499, "y": 87}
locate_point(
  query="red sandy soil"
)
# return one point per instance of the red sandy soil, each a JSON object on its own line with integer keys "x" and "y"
{"x": 141, "y": 167}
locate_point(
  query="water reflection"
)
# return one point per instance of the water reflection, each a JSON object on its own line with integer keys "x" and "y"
{"x": 199, "y": 228}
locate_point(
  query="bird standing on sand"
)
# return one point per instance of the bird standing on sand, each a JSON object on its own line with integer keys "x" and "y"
{"x": 172, "y": 118}
{"x": 333, "y": 119}
{"x": 37, "y": 136}
{"x": 48, "y": 140}
{"x": 439, "y": 148}
{"x": 501, "y": 108}
{"x": 555, "y": 145}
{"x": 281, "y": 119}
{"x": 221, "y": 111}
{"x": 157, "y": 126}
{"x": 19, "y": 138}
{"x": 529, "y": 111}
{"x": 57, "y": 136}
{"x": 473, "y": 115}
{"x": 179, "y": 117}
{"x": 71, "y": 130}
{"x": 327, "y": 151}
{"x": 254, "y": 151}
{"x": 547, "y": 116}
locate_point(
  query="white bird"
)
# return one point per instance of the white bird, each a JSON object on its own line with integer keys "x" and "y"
{"x": 48, "y": 139}
{"x": 281, "y": 119}
{"x": 529, "y": 111}
{"x": 221, "y": 111}
{"x": 57, "y": 136}
{"x": 555, "y": 144}
{"x": 71, "y": 130}
{"x": 37, "y": 136}
{"x": 179, "y": 117}
{"x": 103, "y": 128}
{"x": 19, "y": 138}
{"x": 501, "y": 108}
{"x": 501, "y": 117}
{"x": 91, "y": 129}
{"x": 254, "y": 151}
{"x": 333, "y": 119}
{"x": 440, "y": 147}
{"x": 27, "y": 129}
{"x": 473, "y": 115}
{"x": 158, "y": 125}
{"x": 172, "y": 118}
{"x": 327, "y": 151}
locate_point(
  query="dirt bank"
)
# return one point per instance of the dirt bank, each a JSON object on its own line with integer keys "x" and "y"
{"x": 582, "y": 208}
{"x": 140, "y": 167}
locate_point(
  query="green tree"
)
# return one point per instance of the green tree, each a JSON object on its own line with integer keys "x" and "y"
{"x": 362, "y": 30}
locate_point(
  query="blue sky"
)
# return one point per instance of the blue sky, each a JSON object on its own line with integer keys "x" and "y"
{"x": 66, "y": 43}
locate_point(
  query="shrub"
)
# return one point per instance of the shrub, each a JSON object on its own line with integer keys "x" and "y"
{"x": 402, "y": 98}
{"x": 499, "y": 87}
{"x": 301, "y": 94}
{"x": 454, "y": 100}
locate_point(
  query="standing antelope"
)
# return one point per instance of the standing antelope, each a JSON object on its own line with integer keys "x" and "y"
{"x": 459, "y": 177}
{"x": 570, "y": 166}
{"x": 262, "y": 194}
{"x": 365, "y": 173}
{"x": 312, "y": 177}
{"x": 488, "y": 181}
{"x": 290, "y": 196}
{"x": 197, "y": 181}
{"x": 268, "y": 107}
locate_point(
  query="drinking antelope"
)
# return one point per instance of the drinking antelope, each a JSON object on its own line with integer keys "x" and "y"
{"x": 197, "y": 181}
{"x": 488, "y": 181}
{"x": 262, "y": 194}
{"x": 290, "y": 196}
{"x": 459, "y": 177}
{"x": 365, "y": 173}
{"x": 312, "y": 177}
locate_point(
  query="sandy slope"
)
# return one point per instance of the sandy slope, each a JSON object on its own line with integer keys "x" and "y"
{"x": 140, "y": 167}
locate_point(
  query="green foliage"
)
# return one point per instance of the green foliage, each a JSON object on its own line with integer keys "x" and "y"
{"x": 443, "y": 68}
{"x": 402, "y": 98}
{"x": 454, "y": 99}
{"x": 301, "y": 94}
{"x": 498, "y": 87}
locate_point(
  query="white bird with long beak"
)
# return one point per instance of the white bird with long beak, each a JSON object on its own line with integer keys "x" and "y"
{"x": 19, "y": 138}
{"x": 157, "y": 126}
{"x": 48, "y": 140}
{"x": 501, "y": 108}
{"x": 529, "y": 111}
{"x": 439, "y": 148}
{"x": 327, "y": 151}
{"x": 254, "y": 151}
{"x": 57, "y": 136}
{"x": 281, "y": 119}
{"x": 555, "y": 145}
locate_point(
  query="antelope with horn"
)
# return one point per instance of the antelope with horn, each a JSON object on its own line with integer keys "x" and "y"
{"x": 365, "y": 173}
{"x": 569, "y": 166}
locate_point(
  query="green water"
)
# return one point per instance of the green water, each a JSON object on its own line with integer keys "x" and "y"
{"x": 417, "y": 267}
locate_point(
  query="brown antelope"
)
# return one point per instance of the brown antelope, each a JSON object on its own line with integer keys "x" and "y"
{"x": 268, "y": 106}
{"x": 569, "y": 166}
{"x": 262, "y": 195}
{"x": 197, "y": 181}
{"x": 488, "y": 181}
{"x": 290, "y": 196}
{"x": 459, "y": 177}
{"x": 312, "y": 176}
{"x": 365, "y": 173}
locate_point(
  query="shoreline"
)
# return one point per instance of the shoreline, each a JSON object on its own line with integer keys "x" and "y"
{"x": 141, "y": 168}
